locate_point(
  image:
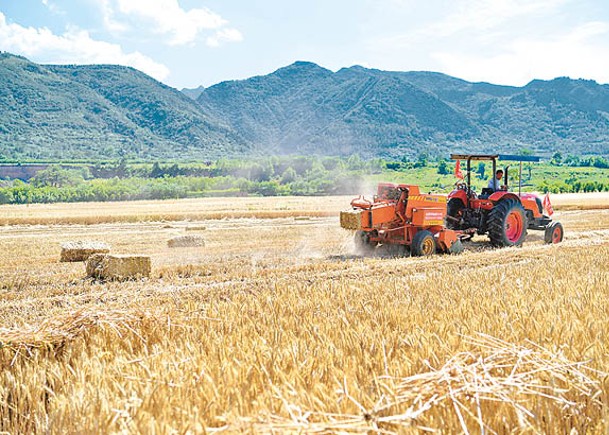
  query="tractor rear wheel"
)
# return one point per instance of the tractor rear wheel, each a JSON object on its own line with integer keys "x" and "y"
{"x": 507, "y": 223}
{"x": 554, "y": 233}
{"x": 454, "y": 208}
{"x": 423, "y": 244}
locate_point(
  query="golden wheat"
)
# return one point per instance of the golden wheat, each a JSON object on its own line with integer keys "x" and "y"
{"x": 275, "y": 326}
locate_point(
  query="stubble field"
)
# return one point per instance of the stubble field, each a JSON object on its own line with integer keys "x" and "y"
{"x": 276, "y": 326}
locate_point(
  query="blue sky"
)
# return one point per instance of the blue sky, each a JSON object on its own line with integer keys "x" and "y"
{"x": 187, "y": 43}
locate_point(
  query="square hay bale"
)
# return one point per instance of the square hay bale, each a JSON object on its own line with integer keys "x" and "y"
{"x": 351, "y": 219}
{"x": 196, "y": 228}
{"x": 118, "y": 267}
{"x": 189, "y": 241}
{"x": 81, "y": 251}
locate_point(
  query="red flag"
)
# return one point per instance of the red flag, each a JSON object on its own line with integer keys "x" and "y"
{"x": 547, "y": 205}
{"x": 458, "y": 172}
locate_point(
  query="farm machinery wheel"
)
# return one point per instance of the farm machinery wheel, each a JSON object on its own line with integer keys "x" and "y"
{"x": 554, "y": 233}
{"x": 363, "y": 243}
{"x": 507, "y": 223}
{"x": 454, "y": 209}
{"x": 423, "y": 244}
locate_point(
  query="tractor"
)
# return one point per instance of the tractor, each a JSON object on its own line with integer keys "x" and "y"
{"x": 503, "y": 215}
{"x": 399, "y": 214}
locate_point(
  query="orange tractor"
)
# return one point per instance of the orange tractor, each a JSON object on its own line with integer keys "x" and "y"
{"x": 400, "y": 214}
{"x": 503, "y": 215}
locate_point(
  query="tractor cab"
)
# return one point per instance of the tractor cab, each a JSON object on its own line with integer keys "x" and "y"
{"x": 486, "y": 192}
{"x": 488, "y": 196}
{"x": 503, "y": 215}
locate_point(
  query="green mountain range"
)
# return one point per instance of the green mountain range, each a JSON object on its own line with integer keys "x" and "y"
{"x": 103, "y": 111}
{"x": 308, "y": 109}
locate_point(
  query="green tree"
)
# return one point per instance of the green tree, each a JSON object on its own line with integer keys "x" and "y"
{"x": 6, "y": 196}
{"x": 260, "y": 171}
{"x": 174, "y": 170}
{"x": 156, "y": 171}
{"x": 55, "y": 176}
{"x": 422, "y": 159}
{"x": 288, "y": 176}
{"x": 121, "y": 168}
{"x": 443, "y": 168}
{"x": 355, "y": 162}
{"x": 525, "y": 152}
{"x": 571, "y": 160}
{"x": 556, "y": 158}
{"x": 481, "y": 170}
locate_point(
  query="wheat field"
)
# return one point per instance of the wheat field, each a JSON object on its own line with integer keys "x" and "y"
{"x": 276, "y": 326}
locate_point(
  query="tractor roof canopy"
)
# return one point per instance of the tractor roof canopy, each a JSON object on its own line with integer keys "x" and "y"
{"x": 505, "y": 157}
{"x": 474, "y": 156}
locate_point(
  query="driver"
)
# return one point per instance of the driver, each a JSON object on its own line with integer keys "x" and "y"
{"x": 494, "y": 183}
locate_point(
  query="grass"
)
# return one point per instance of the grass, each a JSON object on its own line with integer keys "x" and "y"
{"x": 275, "y": 326}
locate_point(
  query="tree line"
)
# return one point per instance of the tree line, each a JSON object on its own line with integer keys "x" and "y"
{"x": 272, "y": 176}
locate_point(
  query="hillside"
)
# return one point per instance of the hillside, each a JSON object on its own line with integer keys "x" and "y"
{"x": 102, "y": 111}
{"x": 193, "y": 93}
{"x": 308, "y": 109}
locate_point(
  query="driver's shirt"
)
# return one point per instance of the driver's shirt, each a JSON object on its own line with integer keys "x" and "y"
{"x": 493, "y": 183}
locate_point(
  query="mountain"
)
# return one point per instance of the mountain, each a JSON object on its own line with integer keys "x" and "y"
{"x": 101, "y": 111}
{"x": 104, "y": 111}
{"x": 194, "y": 92}
{"x": 304, "y": 108}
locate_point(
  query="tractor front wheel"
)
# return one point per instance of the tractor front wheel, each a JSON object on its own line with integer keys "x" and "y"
{"x": 507, "y": 223}
{"x": 554, "y": 233}
{"x": 423, "y": 244}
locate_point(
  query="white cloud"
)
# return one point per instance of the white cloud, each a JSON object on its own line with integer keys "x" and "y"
{"x": 577, "y": 54}
{"x": 488, "y": 14}
{"x": 482, "y": 19}
{"x": 74, "y": 46}
{"x": 224, "y": 35}
{"x": 110, "y": 23}
{"x": 51, "y": 6}
{"x": 499, "y": 41}
{"x": 167, "y": 17}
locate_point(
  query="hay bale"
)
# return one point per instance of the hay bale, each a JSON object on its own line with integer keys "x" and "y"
{"x": 118, "y": 267}
{"x": 81, "y": 251}
{"x": 351, "y": 219}
{"x": 196, "y": 228}
{"x": 186, "y": 242}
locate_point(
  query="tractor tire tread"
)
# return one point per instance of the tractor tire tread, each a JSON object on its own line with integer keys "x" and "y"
{"x": 496, "y": 223}
{"x": 549, "y": 232}
{"x": 416, "y": 248}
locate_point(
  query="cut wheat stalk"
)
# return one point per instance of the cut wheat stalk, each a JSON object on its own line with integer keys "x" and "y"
{"x": 500, "y": 373}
